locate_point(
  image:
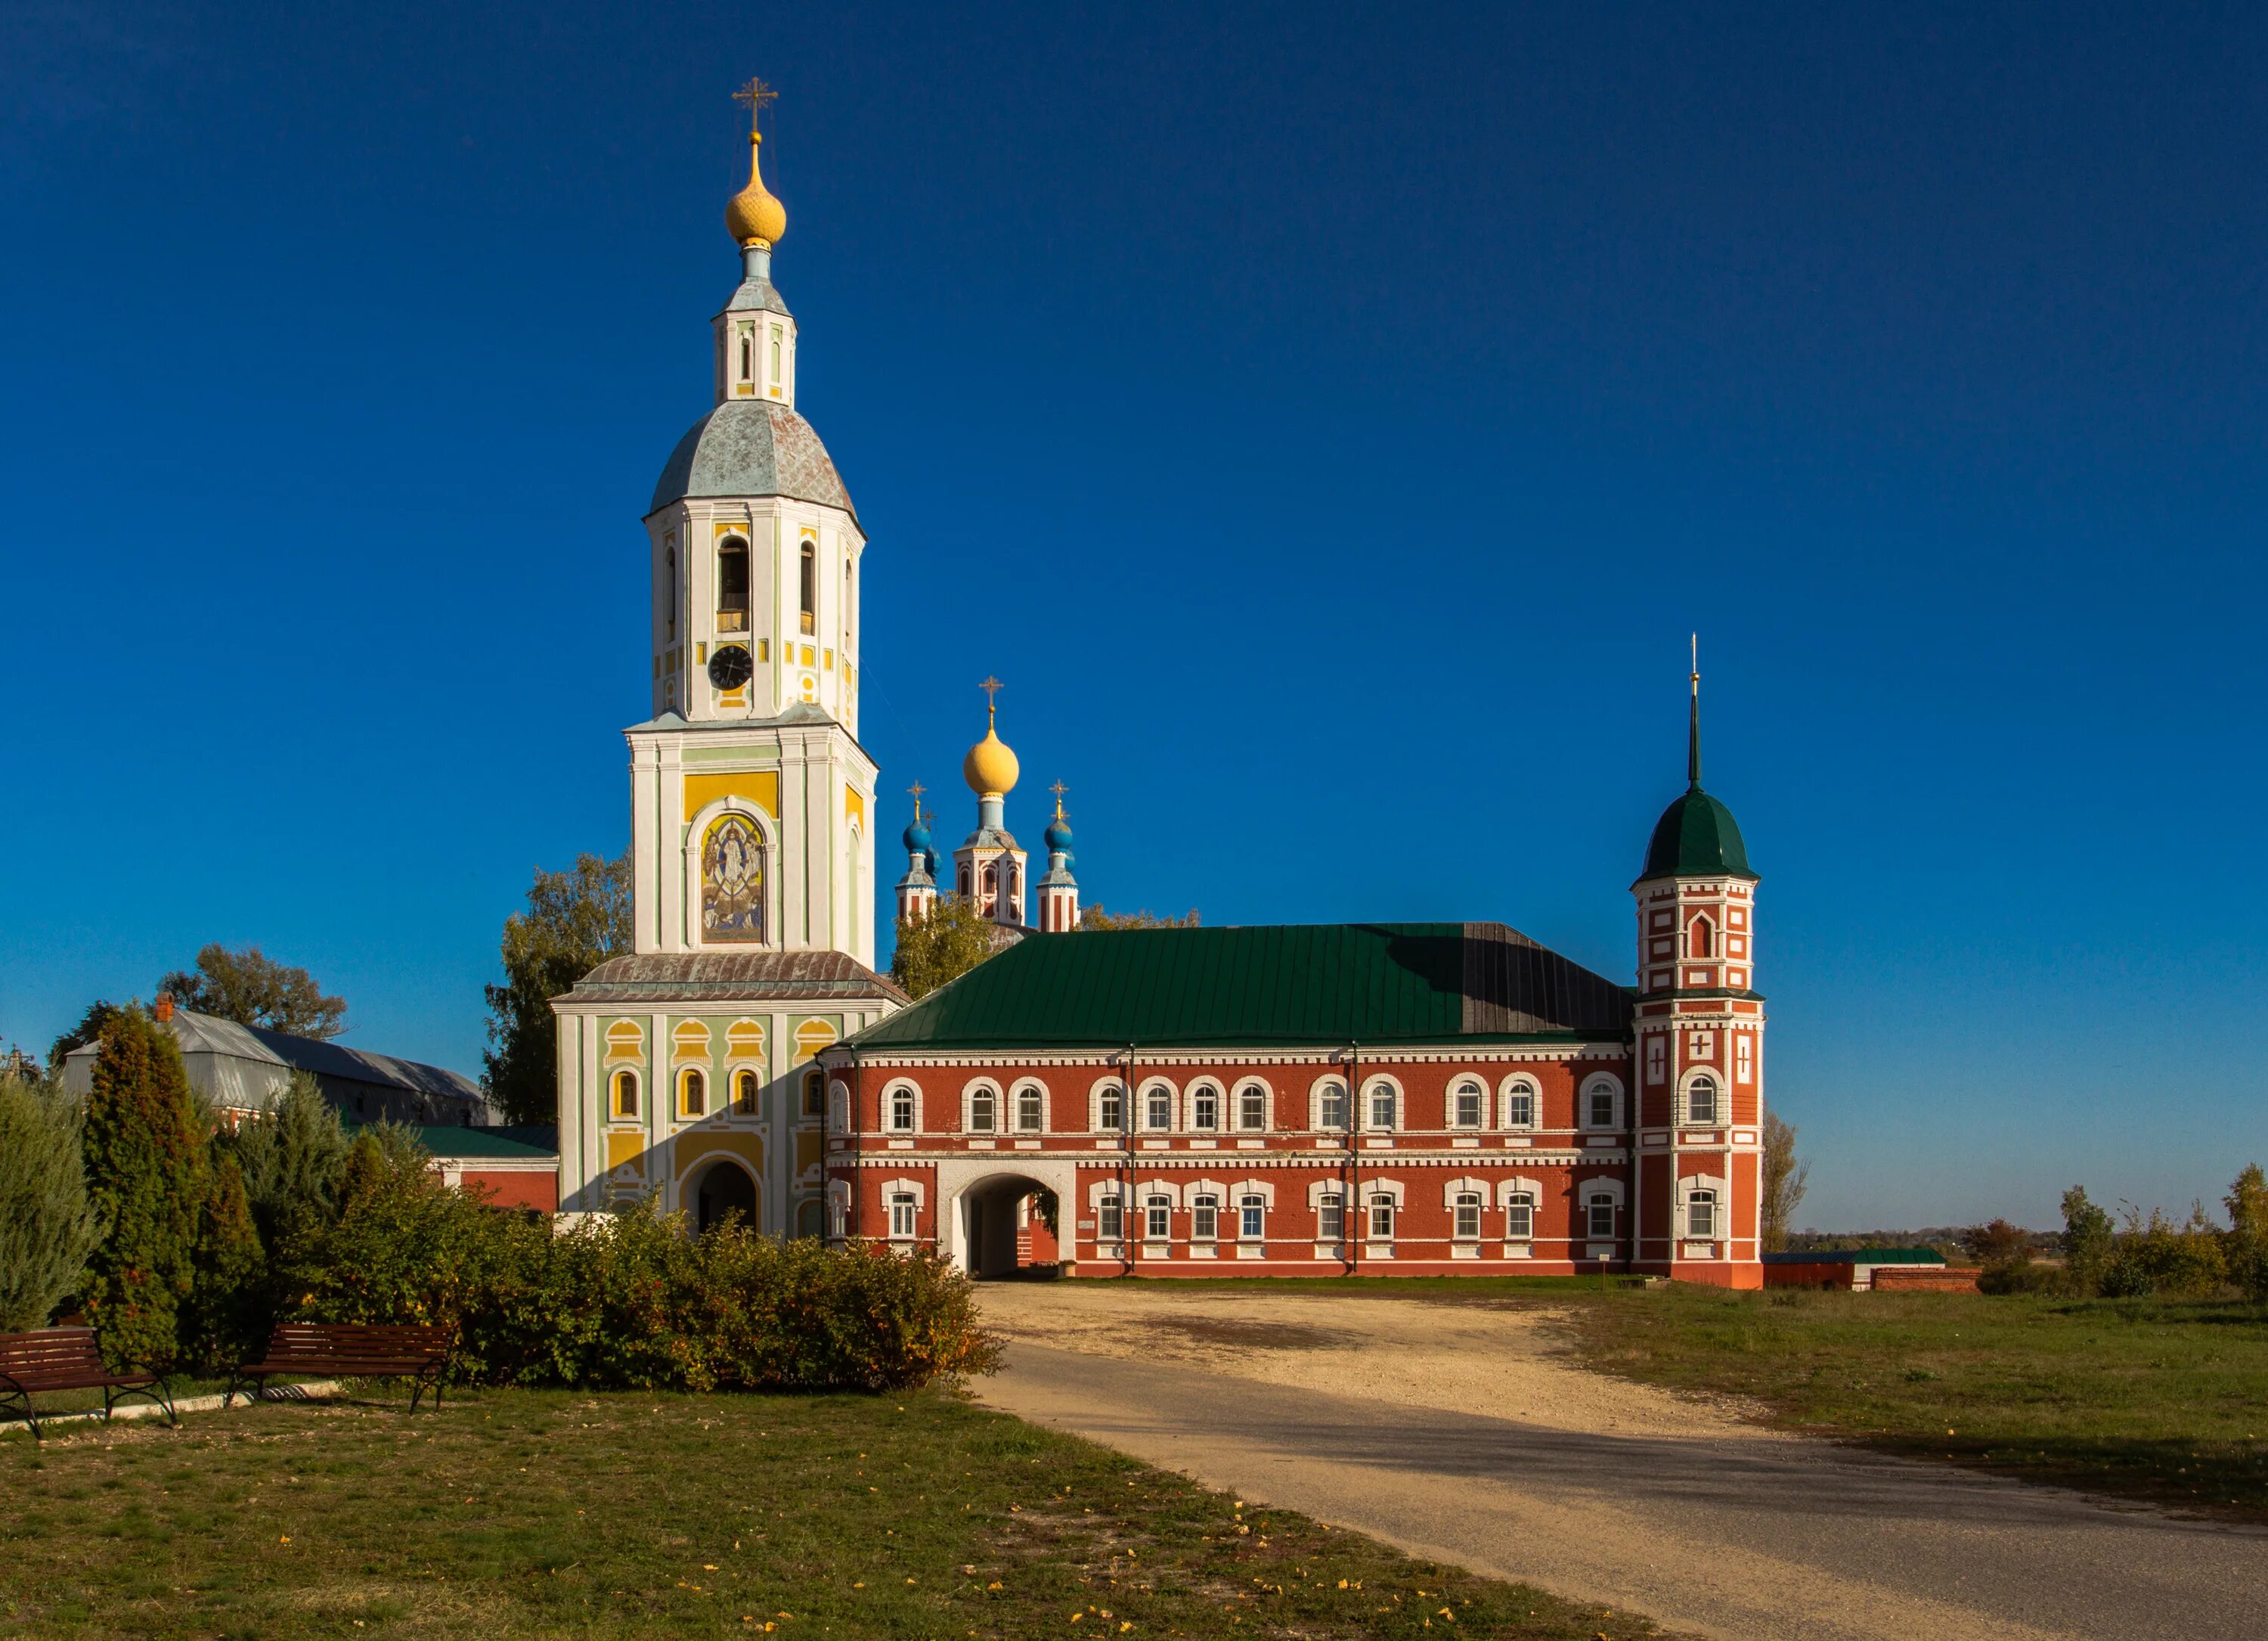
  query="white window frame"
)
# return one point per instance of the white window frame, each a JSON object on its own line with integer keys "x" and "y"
{"x": 1251, "y": 1216}
{"x": 1246, "y": 1091}
{"x": 1097, "y": 1097}
{"x": 1030, "y": 1087}
{"x": 1378, "y": 1205}
{"x": 1370, "y": 1093}
{"x": 1688, "y": 1113}
{"x": 1713, "y": 1230}
{"x": 1466, "y": 1202}
{"x": 1602, "y": 1083}
{"x": 1151, "y": 1091}
{"x": 1462, "y": 1090}
{"x": 1205, "y": 1216}
{"x": 1514, "y": 1087}
{"x": 987, "y": 1094}
{"x": 902, "y": 1202}
{"x": 1156, "y": 1205}
{"x": 1520, "y": 1216}
{"x": 1318, "y": 1093}
{"x": 1330, "y": 1203}
{"x": 1201, "y": 1095}
{"x": 890, "y": 1096}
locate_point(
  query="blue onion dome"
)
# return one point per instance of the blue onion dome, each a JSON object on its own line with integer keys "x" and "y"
{"x": 1058, "y": 835}
{"x": 917, "y": 838}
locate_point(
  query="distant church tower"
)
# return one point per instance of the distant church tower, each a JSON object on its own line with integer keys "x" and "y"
{"x": 918, "y": 889}
{"x": 1700, "y": 1031}
{"x": 988, "y": 868}
{"x": 1059, "y": 888}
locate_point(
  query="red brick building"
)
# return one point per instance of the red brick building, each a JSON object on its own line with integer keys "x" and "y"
{"x": 1373, "y": 1099}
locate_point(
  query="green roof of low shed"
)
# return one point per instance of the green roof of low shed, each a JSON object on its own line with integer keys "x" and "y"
{"x": 1298, "y": 985}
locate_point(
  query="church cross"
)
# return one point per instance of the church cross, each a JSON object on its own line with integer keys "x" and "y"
{"x": 916, "y": 790}
{"x": 1060, "y": 789}
{"x": 991, "y": 687}
{"x": 752, "y": 97}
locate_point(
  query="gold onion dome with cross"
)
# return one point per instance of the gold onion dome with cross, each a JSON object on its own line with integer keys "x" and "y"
{"x": 753, "y": 216}
{"x": 991, "y": 769}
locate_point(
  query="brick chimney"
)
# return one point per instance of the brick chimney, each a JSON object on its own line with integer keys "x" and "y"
{"x": 162, "y": 1010}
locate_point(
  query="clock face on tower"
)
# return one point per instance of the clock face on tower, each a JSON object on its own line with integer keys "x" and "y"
{"x": 730, "y": 668}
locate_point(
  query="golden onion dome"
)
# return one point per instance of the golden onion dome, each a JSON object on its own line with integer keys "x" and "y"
{"x": 753, "y": 216}
{"x": 991, "y": 769}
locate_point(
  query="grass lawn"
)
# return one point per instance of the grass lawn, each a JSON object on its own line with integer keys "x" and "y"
{"x": 524, "y": 1514}
{"x": 2164, "y": 1399}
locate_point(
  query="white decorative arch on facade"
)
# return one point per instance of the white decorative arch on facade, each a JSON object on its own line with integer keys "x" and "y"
{"x": 1451, "y": 1189}
{"x": 969, "y": 1091}
{"x": 1382, "y": 1186}
{"x": 1234, "y": 1116}
{"x": 1153, "y": 1085}
{"x": 905, "y": 1185}
{"x": 1264, "y": 1189}
{"x": 1609, "y": 1082}
{"x": 1101, "y": 1191}
{"x": 1503, "y": 1093}
{"x": 1471, "y": 1083}
{"x": 1315, "y": 1089}
{"x": 1095, "y": 1090}
{"x": 890, "y": 1092}
{"x": 1223, "y": 1111}
{"x": 1370, "y": 1080}
{"x": 1318, "y": 1189}
{"x": 1589, "y": 1191}
{"x": 1519, "y": 1185}
{"x": 1012, "y": 1112}
{"x": 1157, "y": 1185}
{"x": 1192, "y": 1189}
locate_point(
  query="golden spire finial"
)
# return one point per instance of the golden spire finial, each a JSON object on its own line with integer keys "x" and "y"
{"x": 753, "y": 216}
{"x": 990, "y": 768}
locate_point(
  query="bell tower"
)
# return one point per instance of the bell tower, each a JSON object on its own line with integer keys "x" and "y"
{"x": 751, "y": 795}
{"x": 1699, "y": 1025}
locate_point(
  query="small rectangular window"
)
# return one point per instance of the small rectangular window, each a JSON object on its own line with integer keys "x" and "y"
{"x": 1701, "y": 1216}
{"x": 1205, "y": 1110}
{"x": 1332, "y": 1108}
{"x": 1252, "y": 1110}
{"x": 1382, "y": 1106}
{"x": 901, "y": 1215}
{"x": 1469, "y": 1106}
{"x": 1520, "y": 1218}
{"x": 1205, "y": 1218}
{"x": 1112, "y": 1113}
{"x": 1108, "y": 1225}
{"x": 1161, "y": 1219}
{"x": 1330, "y": 1216}
{"x": 1602, "y": 1108}
{"x": 1603, "y": 1217}
{"x": 1469, "y": 1217}
{"x": 1520, "y": 1106}
{"x": 1254, "y": 1212}
{"x": 902, "y": 1111}
{"x": 1381, "y": 1219}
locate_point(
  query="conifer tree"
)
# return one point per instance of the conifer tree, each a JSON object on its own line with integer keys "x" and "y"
{"x": 47, "y": 1226}
{"x": 146, "y": 1176}
{"x": 232, "y": 1309}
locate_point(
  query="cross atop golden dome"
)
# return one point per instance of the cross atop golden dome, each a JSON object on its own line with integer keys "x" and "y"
{"x": 753, "y": 216}
{"x": 990, "y": 768}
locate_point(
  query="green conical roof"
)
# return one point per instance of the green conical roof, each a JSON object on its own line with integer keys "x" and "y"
{"x": 1697, "y": 836}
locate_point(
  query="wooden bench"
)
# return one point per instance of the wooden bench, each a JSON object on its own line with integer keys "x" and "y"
{"x": 66, "y": 1358}
{"x": 419, "y": 1354}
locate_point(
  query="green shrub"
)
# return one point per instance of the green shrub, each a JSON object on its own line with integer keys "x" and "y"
{"x": 145, "y": 1154}
{"x": 2087, "y": 1240}
{"x": 2156, "y": 1256}
{"x": 630, "y": 1302}
{"x": 46, "y": 1225}
{"x": 2247, "y": 1242}
{"x": 230, "y": 1307}
{"x": 2026, "y": 1278}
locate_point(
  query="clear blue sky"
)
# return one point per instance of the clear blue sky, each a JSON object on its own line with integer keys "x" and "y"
{"x": 1328, "y": 421}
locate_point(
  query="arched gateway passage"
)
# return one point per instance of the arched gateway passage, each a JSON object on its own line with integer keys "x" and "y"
{"x": 995, "y": 1220}
{"x": 723, "y": 1188}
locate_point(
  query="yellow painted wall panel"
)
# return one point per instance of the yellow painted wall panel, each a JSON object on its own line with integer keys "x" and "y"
{"x": 759, "y": 787}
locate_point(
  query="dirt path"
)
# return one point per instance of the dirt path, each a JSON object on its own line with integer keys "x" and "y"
{"x": 1463, "y": 1431}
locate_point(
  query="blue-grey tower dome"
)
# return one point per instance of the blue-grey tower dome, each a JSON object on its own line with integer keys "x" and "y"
{"x": 917, "y": 838}
{"x": 1058, "y": 835}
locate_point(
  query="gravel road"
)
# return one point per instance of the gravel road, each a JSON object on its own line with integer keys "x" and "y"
{"x": 1464, "y": 1433}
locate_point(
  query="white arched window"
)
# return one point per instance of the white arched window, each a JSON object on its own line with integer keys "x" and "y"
{"x": 1702, "y": 1108}
{"x": 1602, "y": 1102}
{"x": 1110, "y": 1108}
{"x": 902, "y": 1110}
{"x": 1520, "y": 1216}
{"x": 1204, "y": 1108}
{"x": 1466, "y": 1211}
{"x": 1701, "y": 1216}
{"x": 1252, "y": 1108}
{"x": 1332, "y": 1108}
{"x": 1028, "y": 1109}
{"x": 1520, "y": 1103}
{"x": 1382, "y": 1105}
{"x": 1467, "y": 1104}
{"x": 1158, "y": 1107}
{"x": 983, "y": 1110}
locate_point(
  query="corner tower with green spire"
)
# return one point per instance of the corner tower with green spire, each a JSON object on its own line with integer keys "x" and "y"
{"x": 1699, "y": 1025}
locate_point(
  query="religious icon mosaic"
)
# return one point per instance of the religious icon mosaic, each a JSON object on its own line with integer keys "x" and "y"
{"x": 732, "y": 882}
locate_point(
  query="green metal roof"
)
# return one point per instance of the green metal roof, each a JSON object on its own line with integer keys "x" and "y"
{"x": 1298, "y": 985}
{"x": 1696, "y": 837}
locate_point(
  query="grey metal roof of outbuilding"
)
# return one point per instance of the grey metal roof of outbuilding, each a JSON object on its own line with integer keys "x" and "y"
{"x": 205, "y": 1033}
{"x": 730, "y": 977}
{"x": 750, "y": 447}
